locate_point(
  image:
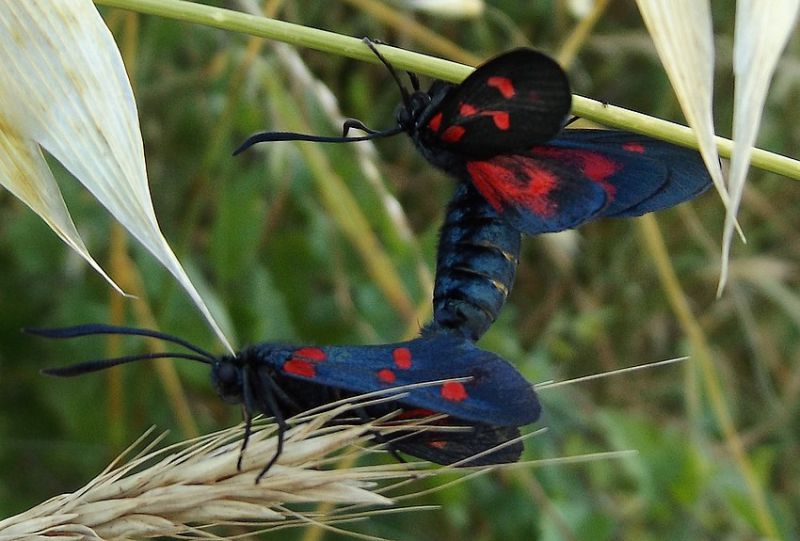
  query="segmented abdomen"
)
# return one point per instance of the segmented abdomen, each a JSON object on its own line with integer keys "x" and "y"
{"x": 475, "y": 265}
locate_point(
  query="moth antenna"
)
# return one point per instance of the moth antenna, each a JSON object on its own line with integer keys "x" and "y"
{"x": 102, "y": 364}
{"x": 355, "y": 124}
{"x": 91, "y": 329}
{"x": 403, "y": 91}
{"x": 270, "y": 137}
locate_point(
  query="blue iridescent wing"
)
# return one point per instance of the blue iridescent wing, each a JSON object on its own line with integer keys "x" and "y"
{"x": 587, "y": 174}
{"x": 495, "y": 394}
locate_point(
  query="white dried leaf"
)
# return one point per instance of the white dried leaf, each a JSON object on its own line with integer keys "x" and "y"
{"x": 63, "y": 86}
{"x": 457, "y": 9}
{"x": 761, "y": 33}
{"x": 159, "y": 493}
{"x": 24, "y": 172}
{"x": 580, "y": 8}
{"x": 684, "y": 38}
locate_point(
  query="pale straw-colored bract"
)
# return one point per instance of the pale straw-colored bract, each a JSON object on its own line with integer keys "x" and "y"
{"x": 683, "y": 34}
{"x": 186, "y": 488}
{"x": 64, "y": 88}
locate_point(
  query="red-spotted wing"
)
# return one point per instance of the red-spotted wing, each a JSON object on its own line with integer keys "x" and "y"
{"x": 585, "y": 174}
{"x": 496, "y": 393}
{"x": 515, "y": 100}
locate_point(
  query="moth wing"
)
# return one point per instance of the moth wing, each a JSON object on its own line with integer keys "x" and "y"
{"x": 515, "y": 100}
{"x": 496, "y": 393}
{"x": 537, "y": 192}
{"x": 587, "y": 174}
{"x": 448, "y": 447}
{"x": 647, "y": 174}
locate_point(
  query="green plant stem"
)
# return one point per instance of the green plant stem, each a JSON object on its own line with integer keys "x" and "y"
{"x": 618, "y": 117}
{"x": 701, "y": 353}
{"x": 331, "y": 42}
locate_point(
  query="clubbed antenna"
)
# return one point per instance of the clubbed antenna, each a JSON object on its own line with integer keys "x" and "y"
{"x": 403, "y": 92}
{"x": 271, "y": 137}
{"x": 349, "y": 124}
{"x": 92, "y": 329}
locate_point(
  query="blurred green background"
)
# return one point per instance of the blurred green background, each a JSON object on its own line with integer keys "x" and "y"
{"x": 305, "y": 243}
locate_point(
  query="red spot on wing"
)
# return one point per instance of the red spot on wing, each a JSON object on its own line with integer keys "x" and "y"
{"x": 454, "y": 391}
{"x": 435, "y": 121}
{"x": 500, "y": 119}
{"x": 437, "y": 444}
{"x": 453, "y": 134}
{"x": 634, "y": 147}
{"x": 311, "y": 354}
{"x": 503, "y": 84}
{"x": 402, "y": 358}
{"x": 467, "y": 110}
{"x": 595, "y": 166}
{"x": 299, "y": 367}
{"x": 416, "y": 413}
{"x": 599, "y": 168}
{"x": 508, "y": 179}
{"x": 386, "y": 376}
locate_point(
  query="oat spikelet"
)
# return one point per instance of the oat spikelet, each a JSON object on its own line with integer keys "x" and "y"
{"x": 185, "y": 488}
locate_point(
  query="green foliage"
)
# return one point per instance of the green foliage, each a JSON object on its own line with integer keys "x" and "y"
{"x": 267, "y": 233}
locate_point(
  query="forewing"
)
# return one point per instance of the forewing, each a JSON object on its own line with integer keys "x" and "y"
{"x": 496, "y": 393}
{"x": 513, "y": 101}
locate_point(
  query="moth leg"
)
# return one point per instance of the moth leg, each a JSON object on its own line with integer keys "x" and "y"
{"x": 248, "y": 404}
{"x": 269, "y": 389}
{"x": 380, "y": 438}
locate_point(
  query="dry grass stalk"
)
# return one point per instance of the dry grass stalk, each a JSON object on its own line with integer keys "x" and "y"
{"x": 185, "y": 488}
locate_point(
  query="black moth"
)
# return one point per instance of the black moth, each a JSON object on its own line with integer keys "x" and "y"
{"x": 473, "y": 389}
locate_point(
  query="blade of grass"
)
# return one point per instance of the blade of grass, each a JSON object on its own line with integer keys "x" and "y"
{"x": 115, "y": 391}
{"x": 406, "y": 25}
{"x": 583, "y": 30}
{"x": 399, "y": 230}
{"x": 128, "y": 272}
{"x": 701, "y": 352}
{"x": 342, "y": 205}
